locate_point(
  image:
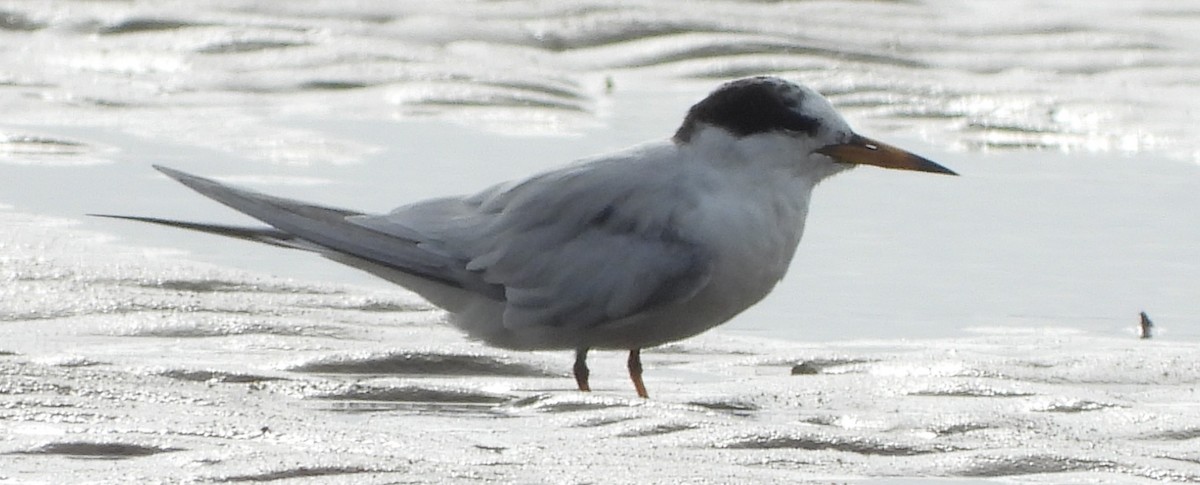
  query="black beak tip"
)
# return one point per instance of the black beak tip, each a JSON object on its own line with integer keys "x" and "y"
{"x": 946, "y": 171}
{"x": 927, "y": 165}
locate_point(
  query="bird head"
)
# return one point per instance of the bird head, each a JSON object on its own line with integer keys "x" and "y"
{"x": 783, "y": 122}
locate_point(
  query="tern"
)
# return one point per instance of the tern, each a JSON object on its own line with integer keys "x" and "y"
{"x": 622, "y": 251}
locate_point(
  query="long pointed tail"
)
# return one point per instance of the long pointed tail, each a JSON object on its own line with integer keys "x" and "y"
{"x": 266, "y": 235}
{"x": 301, "y": 225}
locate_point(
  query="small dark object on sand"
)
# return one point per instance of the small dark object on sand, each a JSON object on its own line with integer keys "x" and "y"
{"x": 806, "y": 369}
{"x": 1145, "y": 326}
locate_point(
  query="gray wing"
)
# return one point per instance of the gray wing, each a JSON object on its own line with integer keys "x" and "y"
{"x": 325, "y": 229}
{"x": 582, "y": 246}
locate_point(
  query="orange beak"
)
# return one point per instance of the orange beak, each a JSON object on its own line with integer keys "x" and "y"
{"x": 865, "y": 151}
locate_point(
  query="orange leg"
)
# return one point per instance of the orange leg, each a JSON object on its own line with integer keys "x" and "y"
{"x": 635, "y": 372}
{"x": 581, "y": 369}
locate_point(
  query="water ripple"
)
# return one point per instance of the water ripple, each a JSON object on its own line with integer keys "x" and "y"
{"x": 420, "y": 363}
{"x": 815, "y": 442}
{"x": 302, "y": 472}
{"x": 108, "y": 451}
{"x": 1055, "y": 58}
{"x": 1003, "y": 466}
{"x": 411, "y": 394}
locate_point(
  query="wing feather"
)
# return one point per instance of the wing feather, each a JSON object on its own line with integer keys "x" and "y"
{"x": 330, "y": 228}
{"x": 580, "y": 247}
{"x": 583, "y": 246}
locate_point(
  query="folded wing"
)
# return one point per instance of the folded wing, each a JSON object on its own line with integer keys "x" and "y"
{"x": 328, "y": 228}
{"x": 574, "y": 247}
{"x": 577, "y": 247}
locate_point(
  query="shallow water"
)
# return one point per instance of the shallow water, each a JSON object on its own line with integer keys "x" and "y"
{"x": 969, "y": 329}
